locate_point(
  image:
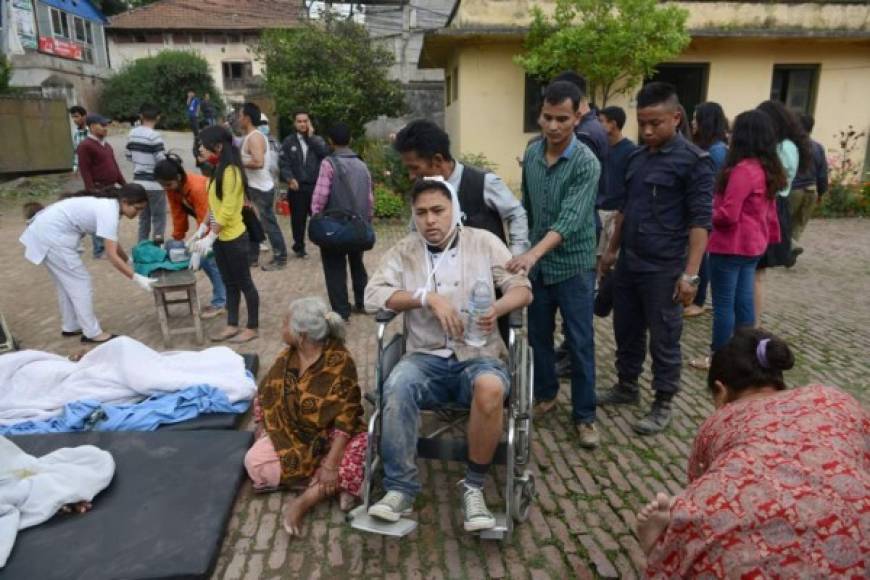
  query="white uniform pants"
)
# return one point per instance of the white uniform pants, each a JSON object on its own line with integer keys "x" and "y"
{"x": 75, "y": 294}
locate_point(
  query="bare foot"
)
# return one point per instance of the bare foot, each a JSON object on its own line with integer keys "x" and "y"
{"x": 653, "y": 520}
{"x": 293, "y": 517}
{"x": 76, "y": 508}
{"x": 692, "y": 311}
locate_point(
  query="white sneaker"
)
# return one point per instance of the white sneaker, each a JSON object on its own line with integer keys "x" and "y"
{"x": 392, "y": 506}
{"x": 477, "y": 515}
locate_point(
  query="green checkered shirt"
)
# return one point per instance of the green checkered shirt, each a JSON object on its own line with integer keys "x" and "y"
{"x": 561, "y": 198}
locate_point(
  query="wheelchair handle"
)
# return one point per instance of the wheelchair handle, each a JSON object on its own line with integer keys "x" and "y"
{"x": 384, "y": 316}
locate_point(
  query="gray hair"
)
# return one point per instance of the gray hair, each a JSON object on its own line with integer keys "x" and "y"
{"x": 313, "y": 318}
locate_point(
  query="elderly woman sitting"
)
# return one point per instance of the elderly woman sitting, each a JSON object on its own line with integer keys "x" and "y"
{"x": 778, "y": 483}
{"x": 309, "y": 415}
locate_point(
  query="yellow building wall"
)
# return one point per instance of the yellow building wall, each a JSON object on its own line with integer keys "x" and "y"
{"x": 740, "y": 75}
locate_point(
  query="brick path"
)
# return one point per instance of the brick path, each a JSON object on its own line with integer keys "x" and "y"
{"x": 581, "y": 525}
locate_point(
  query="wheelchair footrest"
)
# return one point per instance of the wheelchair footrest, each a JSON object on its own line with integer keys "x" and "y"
{"x": 453, "y": 450}
{"x": 360, "y": 520}
{"x": 499, "y": 532}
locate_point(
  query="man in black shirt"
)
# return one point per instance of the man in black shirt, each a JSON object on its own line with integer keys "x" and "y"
{"x": 613, "y": 120}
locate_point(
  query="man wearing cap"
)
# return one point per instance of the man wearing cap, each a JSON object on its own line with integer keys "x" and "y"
{"x": 97, "y": 163}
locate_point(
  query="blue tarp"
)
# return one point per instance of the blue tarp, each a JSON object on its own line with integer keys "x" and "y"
{"x": 146, "y": 415}
{"x": 81, "y": 8}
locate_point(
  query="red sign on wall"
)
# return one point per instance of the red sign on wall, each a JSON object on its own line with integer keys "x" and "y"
{"x": 60, "y": 47}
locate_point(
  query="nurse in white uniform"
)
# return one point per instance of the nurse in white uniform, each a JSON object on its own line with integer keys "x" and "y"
{"x": 53, "y": 236}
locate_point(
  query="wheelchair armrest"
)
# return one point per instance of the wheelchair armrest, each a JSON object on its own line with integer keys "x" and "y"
{"x": 384, "y": 316}
{"x": 515, "y": 318}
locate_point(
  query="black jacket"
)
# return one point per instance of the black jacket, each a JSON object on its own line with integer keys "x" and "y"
{"x": 291, "y": 163}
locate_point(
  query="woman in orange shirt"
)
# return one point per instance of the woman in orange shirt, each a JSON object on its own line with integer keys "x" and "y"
{"x": 188, "y": 197}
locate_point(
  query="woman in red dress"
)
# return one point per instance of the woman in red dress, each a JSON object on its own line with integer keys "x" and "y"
{"x": 778, "y": 479}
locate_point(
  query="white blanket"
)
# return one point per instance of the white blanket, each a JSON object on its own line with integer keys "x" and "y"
{"x": 36, "y": 385}
{"x": 33, "y": 490}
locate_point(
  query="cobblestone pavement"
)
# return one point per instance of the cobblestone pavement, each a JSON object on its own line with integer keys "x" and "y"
{"x": 582, "y": 523}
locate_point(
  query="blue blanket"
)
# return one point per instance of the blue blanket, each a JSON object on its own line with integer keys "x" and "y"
{"x": 146, "y": 415}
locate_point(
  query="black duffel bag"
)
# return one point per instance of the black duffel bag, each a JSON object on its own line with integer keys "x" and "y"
{"x": 341, "y": 230}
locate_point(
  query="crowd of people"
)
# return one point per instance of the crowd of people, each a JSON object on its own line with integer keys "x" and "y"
{"x": 602, "y": 226}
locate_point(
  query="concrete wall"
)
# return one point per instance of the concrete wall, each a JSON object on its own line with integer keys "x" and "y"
{"x": 36, "y": 136}
{"x": 487, "y": 117}
{"x": 215, "y": 54}
{"x": 47, "y": 75}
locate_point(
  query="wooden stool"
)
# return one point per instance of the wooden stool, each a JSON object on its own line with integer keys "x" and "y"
{"x": 177, "y": 281}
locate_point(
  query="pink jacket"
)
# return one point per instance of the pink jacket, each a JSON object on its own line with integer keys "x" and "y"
{"x": 744, "y": 217}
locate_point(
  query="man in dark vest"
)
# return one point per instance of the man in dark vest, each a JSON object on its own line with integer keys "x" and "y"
{"x": 484, "y": 198}
{"x": 301, "y": 154}
{"x": 344, "y": 182}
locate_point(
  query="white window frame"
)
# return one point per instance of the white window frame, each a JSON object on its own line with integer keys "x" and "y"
{"x": 63, "y": 20}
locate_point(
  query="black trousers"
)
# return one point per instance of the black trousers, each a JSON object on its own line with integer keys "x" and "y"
{"x": 644, "y": 301}
{"x": 300, "y": 209}
{"x": 232, "y": 263}
{"x": 335, "y": 272}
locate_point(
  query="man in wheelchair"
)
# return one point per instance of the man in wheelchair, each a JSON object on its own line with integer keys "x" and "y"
{"x": 429, "y": 276}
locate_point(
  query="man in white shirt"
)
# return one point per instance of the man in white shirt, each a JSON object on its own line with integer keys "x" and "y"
{"x": 261, "y": 187}
{"x": 429, "y": 276}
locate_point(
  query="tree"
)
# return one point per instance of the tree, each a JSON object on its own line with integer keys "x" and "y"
{"x": 162, "y": 80}
{"x": 333, "y": 70}
{"x": 615, "y": 44}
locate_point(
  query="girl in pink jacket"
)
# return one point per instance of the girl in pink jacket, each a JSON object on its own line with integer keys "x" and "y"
{"x": 744, "y": 222}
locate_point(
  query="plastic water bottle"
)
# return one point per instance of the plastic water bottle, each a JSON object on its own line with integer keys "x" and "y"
{"x": 479, "y": 303}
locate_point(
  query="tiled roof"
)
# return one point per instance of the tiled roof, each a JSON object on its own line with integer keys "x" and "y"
{"x": 210, "y": 15}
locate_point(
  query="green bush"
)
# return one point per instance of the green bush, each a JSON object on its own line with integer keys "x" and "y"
{"x": 388, "y": 205}
{"x": 845, "y": 201}
{"x": 384, "y": 164}
{"x": 162, "y": 80}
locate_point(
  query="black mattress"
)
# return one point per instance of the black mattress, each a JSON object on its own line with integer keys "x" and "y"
{"x": 163, "y": 516}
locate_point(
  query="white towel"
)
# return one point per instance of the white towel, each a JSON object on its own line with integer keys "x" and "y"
{"x": 33, "y": 490}
{"x": 36, "y": 385}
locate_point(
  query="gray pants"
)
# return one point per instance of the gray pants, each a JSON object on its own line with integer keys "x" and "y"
{"x": 152, "y": 220}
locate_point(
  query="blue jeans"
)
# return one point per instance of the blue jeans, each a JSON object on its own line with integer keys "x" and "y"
{"x": 704, "y": 275}
{"x": 424, "y": 381}
{"x": 574, "y": 298}
{"x": 209, "y": 266}
{"x": 265, "y": 202}
{"x": 152, "y": 219}
{"x": 732, "y": 280}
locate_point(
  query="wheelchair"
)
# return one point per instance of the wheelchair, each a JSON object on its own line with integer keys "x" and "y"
{"x": 513, "y": 451}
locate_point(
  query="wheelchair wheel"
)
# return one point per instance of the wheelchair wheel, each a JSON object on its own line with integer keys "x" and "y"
{"x": 523, "y": 441}
{"x": 524, "y": 495}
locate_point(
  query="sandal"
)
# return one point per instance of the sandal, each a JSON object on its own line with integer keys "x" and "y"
{"x": 244, "y": 336}
{"x": 225, "y": 335}
{"x": 701, "y": 364}
{"x": 87, "y": 340}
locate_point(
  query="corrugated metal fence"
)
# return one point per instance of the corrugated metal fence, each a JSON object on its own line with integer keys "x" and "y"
{"x": 36, "y": 135}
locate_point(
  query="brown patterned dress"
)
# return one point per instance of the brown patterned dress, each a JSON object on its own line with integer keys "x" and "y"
{"x": 300, "y": 412}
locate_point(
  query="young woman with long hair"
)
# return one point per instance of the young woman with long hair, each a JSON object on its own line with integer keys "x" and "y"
{"x": 226, "y": 198}
{"x": 744, "y": 224}
{"x": 187, "y": 194}
{"x": 795, "y": 153}
{"x": 52, "y": 238}
{"x": 709, "y": 132}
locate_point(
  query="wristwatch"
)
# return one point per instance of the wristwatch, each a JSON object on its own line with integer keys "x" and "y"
{"x": 692, "y": 280}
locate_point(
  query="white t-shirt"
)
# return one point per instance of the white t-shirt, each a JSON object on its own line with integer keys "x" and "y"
{"x": 62, "y": 225}
{"x": 258, "y": 178}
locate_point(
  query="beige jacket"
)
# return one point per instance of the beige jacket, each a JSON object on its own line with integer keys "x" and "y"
{"x": 481, "y": 256}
